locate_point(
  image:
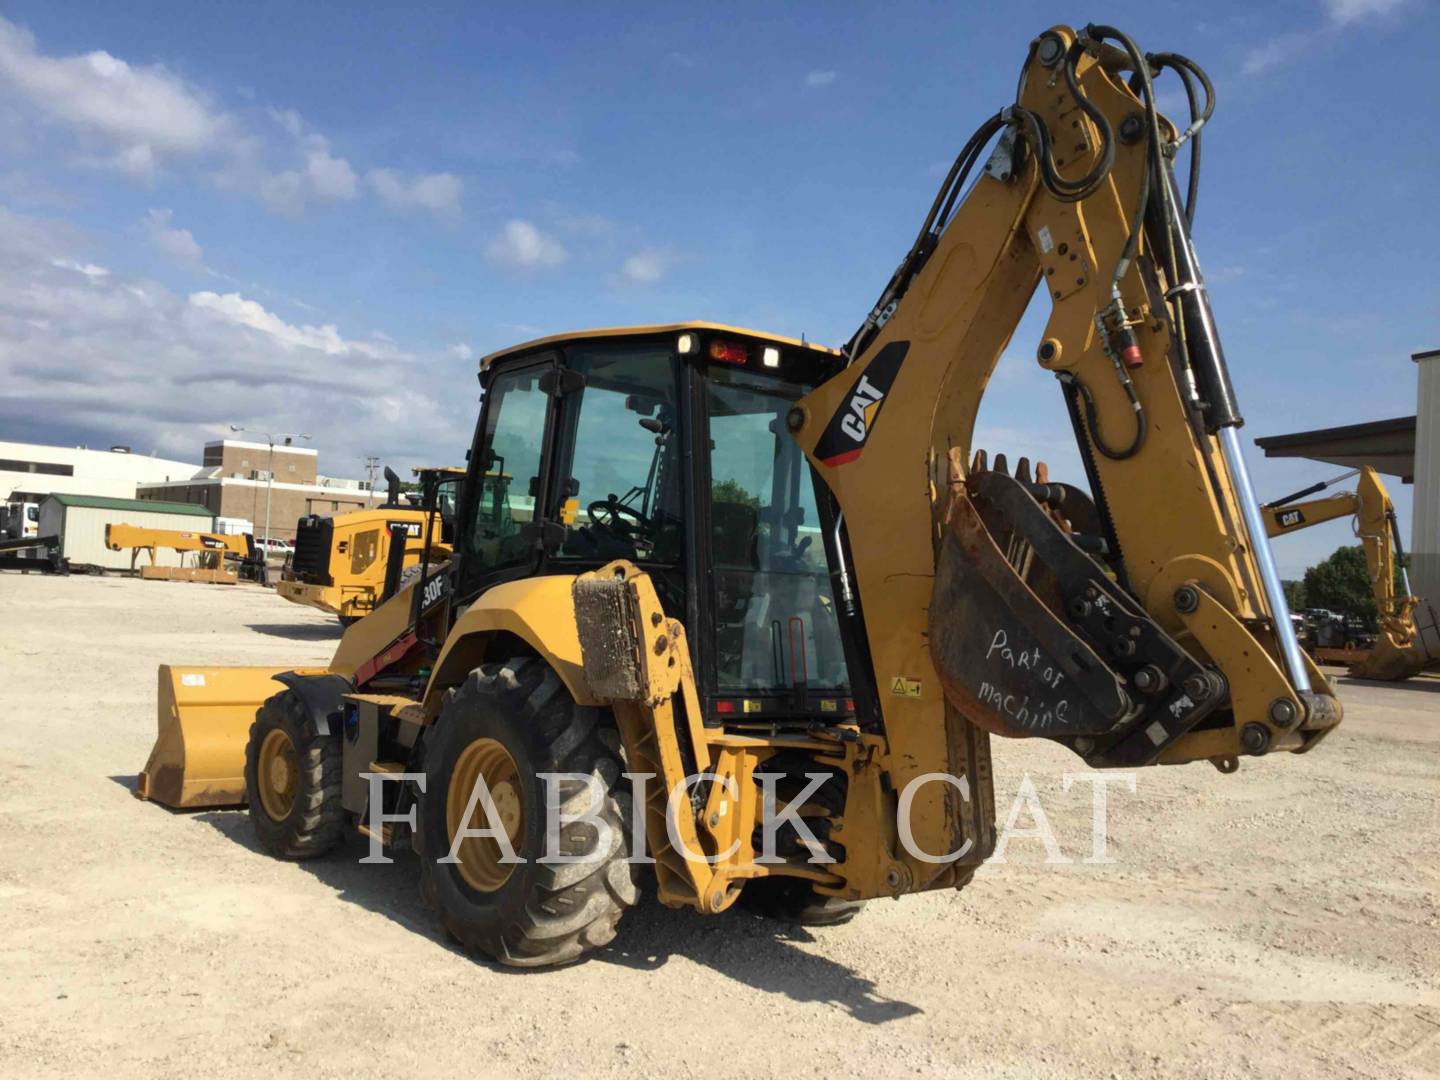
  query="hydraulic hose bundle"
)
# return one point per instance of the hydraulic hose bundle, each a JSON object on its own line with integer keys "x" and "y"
{"x": 1156, "y": 198}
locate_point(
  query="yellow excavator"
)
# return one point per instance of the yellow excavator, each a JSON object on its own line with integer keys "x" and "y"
{"x": 213, "y": 552}
{"x": 342, "y": 564}
{"x": 769, "y": 608}
{"x": 1398, "y": 652}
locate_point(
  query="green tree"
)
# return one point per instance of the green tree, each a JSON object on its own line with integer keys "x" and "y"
{"x": 730, "y": 491}
{"x": 1295, "y": 594}
{"x": 1342, "y": 584}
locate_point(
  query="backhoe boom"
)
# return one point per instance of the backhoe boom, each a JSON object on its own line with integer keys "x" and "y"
{"x": 1160, "y": 596}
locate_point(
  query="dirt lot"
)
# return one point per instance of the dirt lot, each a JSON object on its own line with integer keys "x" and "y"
{"x": 1282, "y": 921}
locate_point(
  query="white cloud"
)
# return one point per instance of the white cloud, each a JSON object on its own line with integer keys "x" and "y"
{"x": 90, "y": 355}
{"x": 1277, "y": 52}
{"x": 290, "y": 120}
{"x": 237, "y": 310}
{"x": 435, "y": 193}
{"x": 1345, "y": 12}
{"x": 140, "y": 118}
{"x": 146, "y": 111}
{"x": 522, "y": 246}
{"x": 138, "y": 163}
{"x": 1338, "y": 15}
{"x": 90, "y": 270}
{"x": 179, "y": 244}
{"x": 645, "y": 267}
{"x": 460, "y": 351}
{"x": 331, "y": 177}
{"x": 819, "y": 78}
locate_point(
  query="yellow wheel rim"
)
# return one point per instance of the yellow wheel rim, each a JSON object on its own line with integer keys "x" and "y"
{"x": 278, "y": 774}
{"x": 480, "y": 856}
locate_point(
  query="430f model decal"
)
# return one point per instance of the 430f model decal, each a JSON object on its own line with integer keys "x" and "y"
{"x": 845, "y": 435}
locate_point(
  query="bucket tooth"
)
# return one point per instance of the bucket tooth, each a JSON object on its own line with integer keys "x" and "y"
{"x": 1022, "y": 470}
{"x": 1002, "y": 466}
{"x": 980, "y": 463}
{"x": 1042, "y": 473}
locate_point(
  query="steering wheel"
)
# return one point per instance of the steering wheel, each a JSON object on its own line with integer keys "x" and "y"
{"x": 614, "y": 510}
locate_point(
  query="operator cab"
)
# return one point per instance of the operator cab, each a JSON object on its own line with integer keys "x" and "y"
{"x": 667, "y": 446}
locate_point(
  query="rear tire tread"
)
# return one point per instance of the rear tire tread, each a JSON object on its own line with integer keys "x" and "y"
{"x": 568, "y": 909}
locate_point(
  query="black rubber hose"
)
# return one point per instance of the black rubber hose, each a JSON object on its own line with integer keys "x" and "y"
{"x": 1190, "y": 72}
{"x": 1092, "y": 420}
{"x": 1062, "y": 188}
{"x": 1159, "y": 185}
{"x": 935, "y": 222}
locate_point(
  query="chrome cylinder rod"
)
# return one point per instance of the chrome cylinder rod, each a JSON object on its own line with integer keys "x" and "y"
{"x": 1260, "y": 546}
{"x": 1207, "y": 360}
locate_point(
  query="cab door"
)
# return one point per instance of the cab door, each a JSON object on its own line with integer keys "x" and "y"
{"x": 495, "y": 534}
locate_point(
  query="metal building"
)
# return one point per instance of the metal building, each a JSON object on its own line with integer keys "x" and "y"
{"x": 80, "y": 520}
{"x": 1425, "y": 516}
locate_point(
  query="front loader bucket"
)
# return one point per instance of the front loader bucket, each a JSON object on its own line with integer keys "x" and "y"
{"x": 205, "y": 717}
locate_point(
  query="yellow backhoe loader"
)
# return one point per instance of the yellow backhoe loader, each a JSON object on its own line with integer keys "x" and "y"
{"x": 213, "y": 551}
{"x": 769, "y": 608}
{"x": 342, "y": 564}
{"x": 1398, "y": 652}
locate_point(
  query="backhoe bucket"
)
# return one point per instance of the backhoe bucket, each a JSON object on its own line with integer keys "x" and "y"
{"x": 1390, "y": 661}
{"x": 205, "y": 717}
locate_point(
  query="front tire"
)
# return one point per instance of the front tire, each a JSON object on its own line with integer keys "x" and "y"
{"x": 507, "y": 724}
{"x": 292, "y": 780}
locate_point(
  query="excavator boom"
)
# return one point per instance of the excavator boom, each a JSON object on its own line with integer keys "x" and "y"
{"x": 1399, "y": 651}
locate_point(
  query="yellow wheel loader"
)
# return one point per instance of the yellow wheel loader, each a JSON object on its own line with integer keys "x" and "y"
{"x": 341, "y": 564}
{"x": 769, "y": 609}
{"x": 1398, "y": 652}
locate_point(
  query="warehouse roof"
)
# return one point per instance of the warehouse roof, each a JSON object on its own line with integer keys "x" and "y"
{"x": 1387, "y": 446}
{"x": 150, "y": 506}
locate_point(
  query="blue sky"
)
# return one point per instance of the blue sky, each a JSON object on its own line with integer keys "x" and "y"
{"x": 301, "y": 218}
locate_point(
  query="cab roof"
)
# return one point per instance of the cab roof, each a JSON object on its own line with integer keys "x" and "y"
{"x": 658, "y": 328}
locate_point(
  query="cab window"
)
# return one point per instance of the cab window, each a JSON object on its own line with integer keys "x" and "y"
{"x": 509, "y": 471}
{"x": 620, "y": 482}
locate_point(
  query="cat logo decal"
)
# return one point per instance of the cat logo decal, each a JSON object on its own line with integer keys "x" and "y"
{"x": 849, "y": 429}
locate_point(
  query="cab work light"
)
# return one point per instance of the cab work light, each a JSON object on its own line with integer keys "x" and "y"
{"x": 771, "y": 356}
{"x": 727, "y": 352}
{"x": 687, "y": 344}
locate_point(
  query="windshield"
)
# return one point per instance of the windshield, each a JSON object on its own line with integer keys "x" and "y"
{"x": 776, "y": 621}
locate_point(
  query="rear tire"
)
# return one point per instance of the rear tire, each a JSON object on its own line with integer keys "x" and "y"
{"x": 510, "y": 722}
{"x": 292, "y": 780}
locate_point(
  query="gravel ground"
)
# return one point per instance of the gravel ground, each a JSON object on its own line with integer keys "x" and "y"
{"x": 1282, "y": 921}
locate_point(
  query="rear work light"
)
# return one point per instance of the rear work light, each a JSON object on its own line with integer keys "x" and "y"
{"x": 728, "y": 352}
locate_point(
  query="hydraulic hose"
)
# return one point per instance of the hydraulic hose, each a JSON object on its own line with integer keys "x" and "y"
{"x": 1092, "y": 420}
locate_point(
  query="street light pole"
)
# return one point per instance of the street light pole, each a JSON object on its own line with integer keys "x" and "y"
{"x": 269, "y": 487}
{"x": 270, "y": 476}
{"x": 371, "y": 463}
